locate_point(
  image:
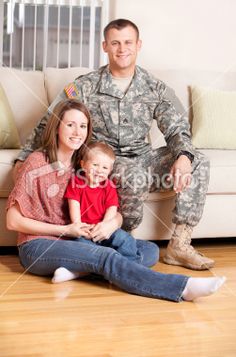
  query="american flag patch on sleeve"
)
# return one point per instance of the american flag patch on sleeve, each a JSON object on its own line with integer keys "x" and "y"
{"x": 71, "y": 91}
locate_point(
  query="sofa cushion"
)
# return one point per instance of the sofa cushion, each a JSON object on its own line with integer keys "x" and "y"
{"x": 57, "y": 78}
{"x": 7, "y": 157}
{"x": 222, "y": 177}
{"x": 181, "y": 80}
{"x": 214, "y": 118}
{"x": 223, "y": 171}
{"x": 9, "y": 137}
{"x": 27, "y": 97}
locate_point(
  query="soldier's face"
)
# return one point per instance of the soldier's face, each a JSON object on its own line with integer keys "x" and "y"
{"x": 122, "y": 47}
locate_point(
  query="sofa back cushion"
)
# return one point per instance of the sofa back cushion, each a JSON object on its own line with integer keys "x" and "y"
{"x": 179, "y": 80}
{"x": 182, "y": 80}
{"x": 9, "y": 137}
{"x": 57, "y": 78}
{"x": 27, "y": 98}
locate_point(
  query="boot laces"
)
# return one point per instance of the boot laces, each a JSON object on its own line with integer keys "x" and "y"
{"x": 185, "y": 244}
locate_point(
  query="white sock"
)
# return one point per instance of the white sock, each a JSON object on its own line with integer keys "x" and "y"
{"x": 198, "y": 287}
{"x": 62, "y": 274}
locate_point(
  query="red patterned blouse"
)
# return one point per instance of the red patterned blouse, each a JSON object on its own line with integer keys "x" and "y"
{"x": 39, "y": 192}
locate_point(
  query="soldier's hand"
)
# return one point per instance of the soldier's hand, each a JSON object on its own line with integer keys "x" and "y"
{"x": 181, "y": 173}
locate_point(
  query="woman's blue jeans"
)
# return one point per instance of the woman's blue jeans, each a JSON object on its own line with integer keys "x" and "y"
{"x": 44, "y": 256}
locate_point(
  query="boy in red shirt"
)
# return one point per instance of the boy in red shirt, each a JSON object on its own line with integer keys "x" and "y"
{"x": 93, "y": 199}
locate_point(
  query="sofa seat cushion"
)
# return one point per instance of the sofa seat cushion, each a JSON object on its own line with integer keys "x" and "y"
{"x": 223, "y": 171}
{"x": 222, "y": 178}
{"x": 160, "y": 196}
{"x": 7, "y": 157}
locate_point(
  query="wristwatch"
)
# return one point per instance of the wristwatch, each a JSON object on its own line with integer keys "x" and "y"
{"x": 186, "y": 153}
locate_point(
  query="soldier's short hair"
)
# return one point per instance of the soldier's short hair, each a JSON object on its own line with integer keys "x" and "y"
{"x": 119, "y": 24}
{"x": 98, "y": 146}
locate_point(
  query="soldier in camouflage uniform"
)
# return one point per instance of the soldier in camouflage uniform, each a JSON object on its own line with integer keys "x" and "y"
{"x": 123, "y": 100}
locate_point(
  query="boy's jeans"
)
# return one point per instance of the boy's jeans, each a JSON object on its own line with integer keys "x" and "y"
{"x": 137, "y": 250}
{"x": 44, "y": 256}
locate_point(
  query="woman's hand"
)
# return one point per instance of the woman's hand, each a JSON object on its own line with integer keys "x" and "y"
{"x": 17, "y": 222}
{"x": 78, "y": 229}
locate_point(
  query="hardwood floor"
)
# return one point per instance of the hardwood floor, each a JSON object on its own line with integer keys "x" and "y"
{"x": 90, "y": 318}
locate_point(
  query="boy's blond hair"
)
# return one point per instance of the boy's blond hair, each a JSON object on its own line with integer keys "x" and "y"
{"x": 98, "y": 146}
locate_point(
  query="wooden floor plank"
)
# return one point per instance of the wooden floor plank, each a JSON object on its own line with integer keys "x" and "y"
{"x": 91, "y": 318}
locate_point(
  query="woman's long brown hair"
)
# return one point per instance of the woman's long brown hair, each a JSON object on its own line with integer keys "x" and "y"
{"x": 50, "y": 134}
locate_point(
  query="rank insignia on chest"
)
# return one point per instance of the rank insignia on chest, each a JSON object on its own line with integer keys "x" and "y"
{"x": 71, "y": 91}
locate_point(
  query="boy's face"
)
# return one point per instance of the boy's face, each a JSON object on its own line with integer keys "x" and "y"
{"x": 97, "y": 167}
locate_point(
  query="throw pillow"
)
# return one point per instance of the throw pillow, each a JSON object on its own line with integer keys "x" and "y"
{"x": 9, "y": 138}
{"x": 214, "y": 118}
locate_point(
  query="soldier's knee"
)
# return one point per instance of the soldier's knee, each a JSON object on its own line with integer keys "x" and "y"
{"x": 134, "y": 181}
{"x": 202, "y": 159}
{"x": 201, "y": 172}
{"x": 202, "y": 164}
{"x": 130, "y": 223}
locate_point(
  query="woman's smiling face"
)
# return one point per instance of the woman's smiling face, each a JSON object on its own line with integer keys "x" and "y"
{"x": 72, "y": 131}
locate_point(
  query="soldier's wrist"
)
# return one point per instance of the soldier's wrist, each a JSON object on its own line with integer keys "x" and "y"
{"x": 187, "y": 154}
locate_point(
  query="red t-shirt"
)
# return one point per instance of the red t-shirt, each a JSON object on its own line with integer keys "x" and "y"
{"x": 94, "y": 201}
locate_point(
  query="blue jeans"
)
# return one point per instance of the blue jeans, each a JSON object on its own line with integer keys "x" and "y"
{"x": 44, "y": 256}
{"x": 134, "y": 249}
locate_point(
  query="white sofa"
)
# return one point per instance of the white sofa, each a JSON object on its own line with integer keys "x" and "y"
{"x": 29, "y": 94}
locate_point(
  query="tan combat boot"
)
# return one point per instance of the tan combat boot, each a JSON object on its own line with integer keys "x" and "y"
{"x": 180, "y": 252}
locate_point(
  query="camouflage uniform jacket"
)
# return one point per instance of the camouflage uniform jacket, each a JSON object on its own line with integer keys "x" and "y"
{"x": 124, "y": 120}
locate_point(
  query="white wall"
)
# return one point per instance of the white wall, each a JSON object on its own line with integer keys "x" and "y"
{"x": 196, "y": 34}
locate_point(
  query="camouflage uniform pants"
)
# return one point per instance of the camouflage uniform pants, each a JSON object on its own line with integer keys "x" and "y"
{"x": 136, "y": 177}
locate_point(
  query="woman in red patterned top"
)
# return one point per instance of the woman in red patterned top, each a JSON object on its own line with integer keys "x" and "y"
{"x": 48, "y": 242}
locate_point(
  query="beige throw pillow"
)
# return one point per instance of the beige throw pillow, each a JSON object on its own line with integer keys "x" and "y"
{"x": 214, "y": 118}
{"x": 9, "y": 138}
